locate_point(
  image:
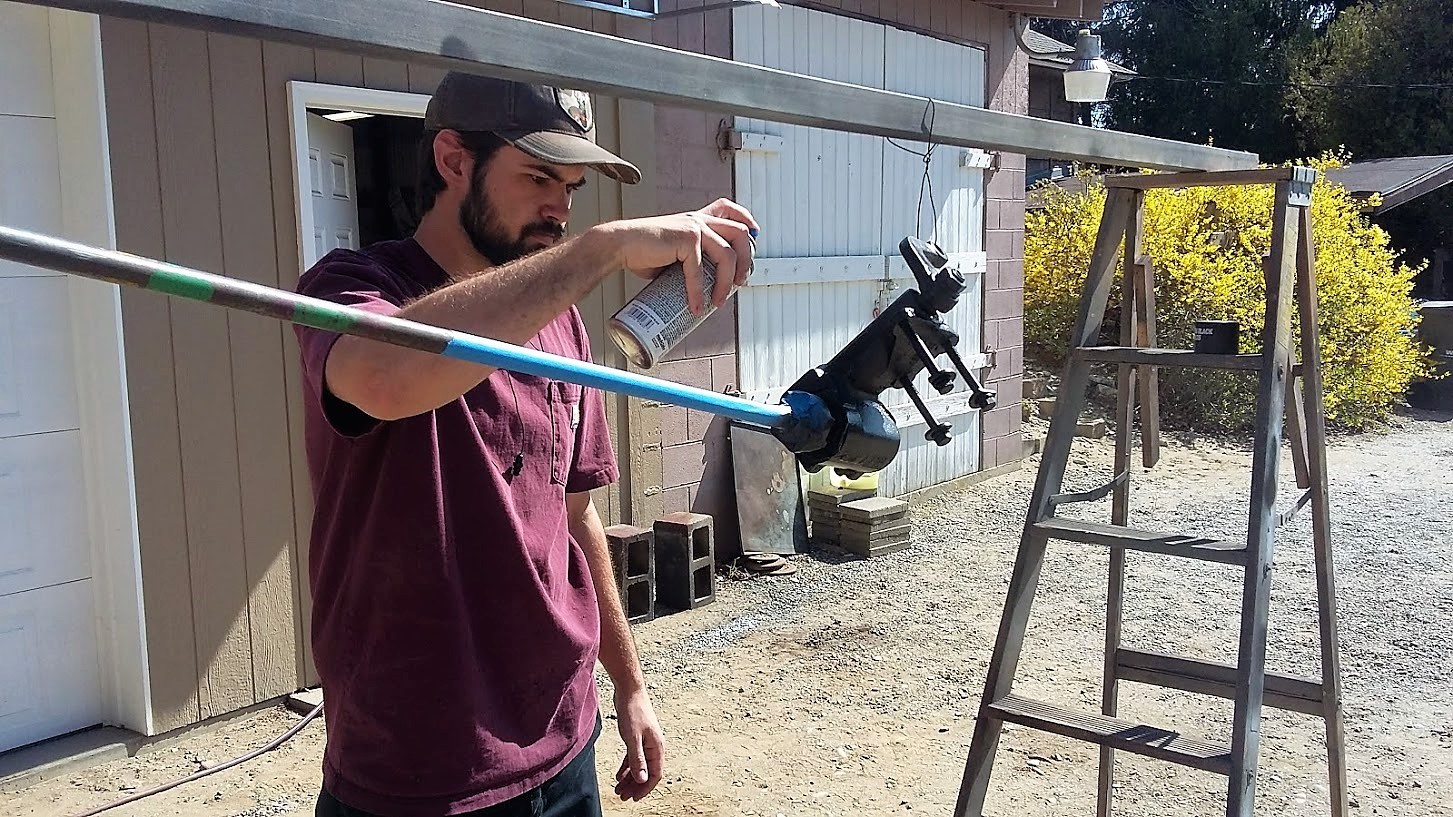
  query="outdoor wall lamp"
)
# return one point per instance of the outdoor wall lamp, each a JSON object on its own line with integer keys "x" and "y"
{"x": 1087, "y": 79}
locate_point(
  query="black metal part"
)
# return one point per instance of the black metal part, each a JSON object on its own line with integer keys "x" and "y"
{"x": 979, "y": 397}
{"x": 903, "y": 340}
{"x": 939, "y": 433}
{"x": 942, "y": 381}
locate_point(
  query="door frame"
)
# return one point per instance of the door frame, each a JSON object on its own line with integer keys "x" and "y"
{"x": 88, "y": 216}
{"x": 304, "y": 95}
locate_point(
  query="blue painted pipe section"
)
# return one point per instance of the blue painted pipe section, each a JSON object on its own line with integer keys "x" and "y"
{"x": 528, "y": 361}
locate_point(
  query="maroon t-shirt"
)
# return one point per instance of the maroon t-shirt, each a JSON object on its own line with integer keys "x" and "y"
{"x": 455, "y": 627}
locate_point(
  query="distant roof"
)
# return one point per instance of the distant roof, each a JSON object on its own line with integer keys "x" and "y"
{"x": 1398, "y": 180}
{"x": 1044, "y": 43}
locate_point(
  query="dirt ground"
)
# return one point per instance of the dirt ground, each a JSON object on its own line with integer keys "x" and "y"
{"x": 851, "y": 687}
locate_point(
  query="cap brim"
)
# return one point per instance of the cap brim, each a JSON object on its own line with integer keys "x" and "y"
{"x": 565, "y": 149}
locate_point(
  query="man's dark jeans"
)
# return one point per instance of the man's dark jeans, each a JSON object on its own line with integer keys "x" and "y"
{"x": 574, "y": 792}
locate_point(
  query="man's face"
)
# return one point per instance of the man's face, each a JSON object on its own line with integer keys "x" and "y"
{"x": 517, "y": 204}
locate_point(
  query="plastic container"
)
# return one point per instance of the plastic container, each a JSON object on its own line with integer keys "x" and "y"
{"x": 866, "y": 482}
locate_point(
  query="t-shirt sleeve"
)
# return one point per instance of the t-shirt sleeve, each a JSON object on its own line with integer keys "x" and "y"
{"x": 352, "y": 281}
{"x": 595, "y": 461}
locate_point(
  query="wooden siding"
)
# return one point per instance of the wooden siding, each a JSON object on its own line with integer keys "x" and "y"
{"x": 202, "y": 175}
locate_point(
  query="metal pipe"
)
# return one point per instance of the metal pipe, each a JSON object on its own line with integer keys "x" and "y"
{"x": 116, "y": 267}
{"x": 452, "y": 36}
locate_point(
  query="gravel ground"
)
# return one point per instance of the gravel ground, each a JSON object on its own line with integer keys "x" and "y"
{"x": 851, "y": 687}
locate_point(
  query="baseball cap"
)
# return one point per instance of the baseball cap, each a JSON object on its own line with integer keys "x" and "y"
{"x": 555, "y": 125}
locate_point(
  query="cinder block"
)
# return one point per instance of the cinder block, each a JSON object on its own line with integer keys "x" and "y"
{"x": 1036, "y": 387}
{"x": 685, "y": 561}
{"x": 882, "y": 548}
{"x": 877, "y": 530}
{"x": 876, "y": 510}
{"x": 825, "y": 531}
{"x": 682, "y": 464}
{"x": 633, "y": 562}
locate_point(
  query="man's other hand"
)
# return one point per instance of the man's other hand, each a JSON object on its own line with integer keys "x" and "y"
{"x": 640, "y": 771}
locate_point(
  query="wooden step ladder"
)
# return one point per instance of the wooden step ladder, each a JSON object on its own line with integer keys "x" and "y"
{"x": 1287, "y": 389}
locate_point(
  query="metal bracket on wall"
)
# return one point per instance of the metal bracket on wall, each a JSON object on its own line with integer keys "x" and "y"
{"x": 733, "y": 139}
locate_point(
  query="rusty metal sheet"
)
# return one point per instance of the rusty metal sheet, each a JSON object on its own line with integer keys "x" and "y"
{"x": 769, "y": 493}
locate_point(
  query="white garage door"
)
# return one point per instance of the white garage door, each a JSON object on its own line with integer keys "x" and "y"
{"x": 834, "y": 207}
{"x": 49, "y": 668}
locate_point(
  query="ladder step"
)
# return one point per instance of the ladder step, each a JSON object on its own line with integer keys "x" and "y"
{"x": 1150, "y": 741}
{"x": 1171, "y": 544}
{"x": 1166, "y": 357}
{"x": 1287, "y": 692}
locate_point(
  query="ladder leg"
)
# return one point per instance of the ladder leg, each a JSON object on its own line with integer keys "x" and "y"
{"x": 1005, "y": 660}
{"x": 1132, "y": 332}
{"x": 1147, "y": 379}
{"x": 1110, "y": 700}
{"x": 1316, "y": 432}
{"x": 1297, "y": 429}
{"x": 1256, "y": 592}
{"x": 980, "y": 763}
{"x": 1119, "y": 205}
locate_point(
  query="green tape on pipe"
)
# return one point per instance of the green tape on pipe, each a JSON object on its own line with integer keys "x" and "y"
{"x": 323, "y": 318}
{"x": 181, "y": 285}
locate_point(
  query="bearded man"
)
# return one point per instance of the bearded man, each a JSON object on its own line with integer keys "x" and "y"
{"x": 461, "y": 583}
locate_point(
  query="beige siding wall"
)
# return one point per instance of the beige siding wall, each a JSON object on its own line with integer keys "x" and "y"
{"x": 202, "y": 176}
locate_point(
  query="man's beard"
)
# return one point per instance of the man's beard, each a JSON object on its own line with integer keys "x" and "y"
{"x": 490, "y": 237}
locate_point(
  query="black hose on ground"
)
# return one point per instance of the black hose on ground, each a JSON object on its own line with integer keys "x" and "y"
{"x": 276, "y": 742}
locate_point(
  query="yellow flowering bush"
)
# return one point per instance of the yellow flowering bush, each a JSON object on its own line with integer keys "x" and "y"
{"x": 1207, "y": 245}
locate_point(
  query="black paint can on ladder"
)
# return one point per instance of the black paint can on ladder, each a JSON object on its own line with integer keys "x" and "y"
{"x": 1217, "y": 337}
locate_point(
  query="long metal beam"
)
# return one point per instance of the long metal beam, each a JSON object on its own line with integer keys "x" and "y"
{"x": 452, "y": 36}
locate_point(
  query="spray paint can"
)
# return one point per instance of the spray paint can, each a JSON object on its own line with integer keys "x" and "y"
{"x": 651, "y": 324}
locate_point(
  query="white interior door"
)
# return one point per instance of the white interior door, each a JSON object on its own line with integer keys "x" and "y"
{"x": 50, "y": 679}
{"x": 833, "y": 209}
{"x": 332, "y": 186}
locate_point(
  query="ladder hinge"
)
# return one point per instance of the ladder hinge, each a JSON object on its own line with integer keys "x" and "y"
{"x": 1090, "y": 496}
{"x": 1291, "y": 513}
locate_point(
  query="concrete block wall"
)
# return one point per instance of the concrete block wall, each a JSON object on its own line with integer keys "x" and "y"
{"x": 1004, "y": 242}
{"x": 691, "y": 173}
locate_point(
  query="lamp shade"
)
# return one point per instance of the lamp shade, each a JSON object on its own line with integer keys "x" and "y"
{"x": 1088, "y": 78}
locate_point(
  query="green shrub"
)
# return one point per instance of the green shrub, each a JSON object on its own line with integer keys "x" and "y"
{"x": 1207, "y": 246}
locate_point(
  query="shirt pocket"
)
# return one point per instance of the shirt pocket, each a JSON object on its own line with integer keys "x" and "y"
{"x": 565, "y": 413}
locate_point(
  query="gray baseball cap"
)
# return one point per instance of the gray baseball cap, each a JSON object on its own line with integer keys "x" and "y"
{"x": 555, "y": 125}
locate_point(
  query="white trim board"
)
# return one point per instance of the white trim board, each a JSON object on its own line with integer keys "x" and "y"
{"x": 100, "y": 369}
{"x": 771, "y": 272}
{"x": 305, "y": 95}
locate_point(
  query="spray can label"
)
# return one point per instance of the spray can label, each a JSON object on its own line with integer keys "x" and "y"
{"x": 651, "y": 324}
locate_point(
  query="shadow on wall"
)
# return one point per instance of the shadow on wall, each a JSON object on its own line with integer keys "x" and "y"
{"x": 717, "y": 495}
